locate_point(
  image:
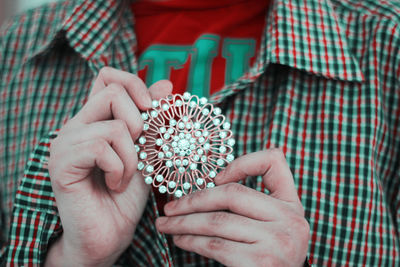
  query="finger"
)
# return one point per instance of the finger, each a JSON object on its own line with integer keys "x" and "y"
{"x": 160, "y": 89}
{"x": 80, "y": 159}
{"x": 111, "y": 103}
{"x": 234, "y": 197}
{"x": 135, "y": 87}
{"x": 116, "y": 133}
{"x": 226, "y": 252}
{"x": 220, "y": 224}
{"x": 271, "y": 164}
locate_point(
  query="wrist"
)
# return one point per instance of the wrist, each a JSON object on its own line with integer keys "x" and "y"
{"x": 62, "y": 254}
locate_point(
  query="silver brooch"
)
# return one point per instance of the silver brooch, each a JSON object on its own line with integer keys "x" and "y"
{"x": 185, "y": 142}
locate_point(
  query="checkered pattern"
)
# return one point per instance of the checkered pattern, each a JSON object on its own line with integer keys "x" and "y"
{"x": 325, "y": 89}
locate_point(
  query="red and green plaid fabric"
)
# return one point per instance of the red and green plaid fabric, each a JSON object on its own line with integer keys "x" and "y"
{"x": 325, "y": 89}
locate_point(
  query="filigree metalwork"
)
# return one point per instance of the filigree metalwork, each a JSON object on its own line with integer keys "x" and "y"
{"x": 185, "y": 142}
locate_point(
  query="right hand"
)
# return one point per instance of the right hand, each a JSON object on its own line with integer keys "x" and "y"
{"x": 100, "y": 194}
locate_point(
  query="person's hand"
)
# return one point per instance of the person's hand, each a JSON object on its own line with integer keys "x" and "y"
{"x": 239, "y": 226}
{"x": 100, "y": 194}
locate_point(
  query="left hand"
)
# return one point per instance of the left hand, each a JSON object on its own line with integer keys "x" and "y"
{"x": 239, "y": 226}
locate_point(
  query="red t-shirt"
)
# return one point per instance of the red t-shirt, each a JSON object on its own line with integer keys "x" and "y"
{"x": 200, "y": 45}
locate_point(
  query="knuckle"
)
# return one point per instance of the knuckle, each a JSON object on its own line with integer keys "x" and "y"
{"x": 277, "y": 152}
{"x": 195, "y": 198}
{"x": 97, "y": 146}
{"x": 188, "y": 200}
{"x": 114, "y": 91}
{"x": 215, "y": 244}
{"x": 299, "y": 224}
{"x": 119, "y": 127}
{"x": 277, "y": 155}
{"x": 218, "y": 219}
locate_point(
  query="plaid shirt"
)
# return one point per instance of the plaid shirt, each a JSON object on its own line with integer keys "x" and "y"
{"x": 325, "y": 89}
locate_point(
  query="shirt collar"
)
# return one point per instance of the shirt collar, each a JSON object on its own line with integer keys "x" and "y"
{"x": 307, "y": 35}
{"x": 92, "y": 26}
{"x": 50, "y": 32}
{"x": 94, "y": 29}
{"x": 303, "y": 34}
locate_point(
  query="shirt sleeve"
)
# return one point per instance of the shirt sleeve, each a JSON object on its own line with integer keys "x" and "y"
{"x": 35, "y": 222}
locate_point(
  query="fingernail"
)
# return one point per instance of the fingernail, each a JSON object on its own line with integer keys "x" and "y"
{"x": 115, "y": 186}
{"x": 149, "y": 103}
{"x": 119, "y": 185}
{"x": 220, "y": 175}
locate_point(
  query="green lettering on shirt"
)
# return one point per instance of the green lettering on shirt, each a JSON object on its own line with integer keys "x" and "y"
{"x": 160, "y": 59}
{"x": 204, "y": 51}
{"x": 237, "y": 53}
